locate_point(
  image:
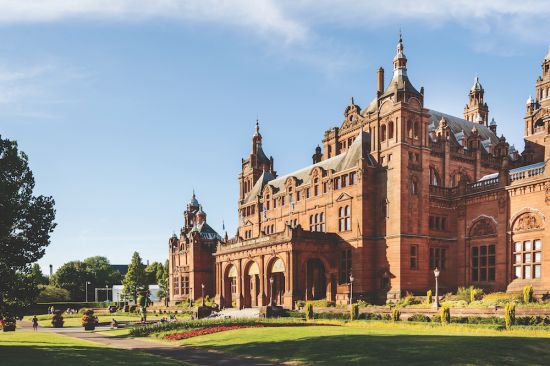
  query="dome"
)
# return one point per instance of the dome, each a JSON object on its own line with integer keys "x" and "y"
{"x": 529, "y": 100}
{"x": 477, "y": 85}
{"x": 493, "y": 122}
{"x": 194, "y": 202}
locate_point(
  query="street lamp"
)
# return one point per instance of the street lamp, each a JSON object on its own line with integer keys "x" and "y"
{"x": 436, "y": 274}
{"x": 87, "y": 283}
{"x": 271, "y": 280}
{"x": 107, "y": 291}
{"x": 351, "y": 289}
{"x": 202, "y": 286}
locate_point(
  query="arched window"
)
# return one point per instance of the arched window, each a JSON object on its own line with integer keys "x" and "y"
{"x": 416, "y": 130}
{"x": 414, "y": 186}
{"x": 316, "y": 187}
{"x": 383, "y": 133}
{"x": 390, "y": 130}
{"x": 322, "y": 222}
{"x": 434, "y": 177}
{"x": 409, "y": 130}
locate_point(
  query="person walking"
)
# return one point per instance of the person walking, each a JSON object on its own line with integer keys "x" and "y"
{"x": 35, "y": 323}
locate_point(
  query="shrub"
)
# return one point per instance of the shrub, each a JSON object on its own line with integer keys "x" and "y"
{"x": 501, "y": 298}
{"x": 89, "y": 320}
{"x": 429, "y": 297}
{"x": 354, "y": 312}
{"x": 528, "y": 294}
{"x": 309, "y": 311}
{"x": 321, "y": 303}
{"x": 395, "y": 315}
{"x": 445, "y": 314}
{"x": 362, "y": 303}
{"x": 50, "y": 293}
{"x": 463, "y": 293}
{"x": 300, "y": 304}
{"x": 456, "y": 303}
{"x": 475, "y": 294}
{"x": 57, "y": 319}
{"x": 370, "y": 316}
{"x": 419, "y": 318}
{"x": 332, "y": 316}
{"x": 510, "y": 315}
{"x": 408, "y": 300}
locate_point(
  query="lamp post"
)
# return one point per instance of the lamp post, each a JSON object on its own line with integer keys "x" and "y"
{"x": 202, "y": 287}
{"x": 436, "y": 302}
{"x": 271, "y": 280}
{"x": 107, "y": 292}
{"x": 351, "y": 289}
{"x": 87, "y": 283}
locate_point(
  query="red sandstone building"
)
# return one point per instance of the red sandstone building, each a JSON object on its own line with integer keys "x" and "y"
{"x": 397, "y": 190}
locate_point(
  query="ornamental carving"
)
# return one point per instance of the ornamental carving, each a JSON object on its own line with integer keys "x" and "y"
{"x": 527, "y": 221}
{"x": 483, "y": 227}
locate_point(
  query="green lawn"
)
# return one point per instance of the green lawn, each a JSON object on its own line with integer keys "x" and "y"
{"x": 378, "y": 343}
{"x": 45, "y": 349}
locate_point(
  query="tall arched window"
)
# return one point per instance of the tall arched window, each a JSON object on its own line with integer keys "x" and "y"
{"x": 390, "y": 130}
{"x": 316, "y": 187}
{"x": 434, "y": 177}
{"x": 383, "y": 133}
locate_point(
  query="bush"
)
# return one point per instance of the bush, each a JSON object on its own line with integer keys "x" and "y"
{"x": 362, "y": 303}
{"x": 469, "y": 294}
{"x": 408, "y": 300}
{"x": 50, "y": 293}
{"x": 89, "y": 320}
{"x": 57, "y": 319}
{"x": 332, "y": 316}
{"x": 395, "y": 315}
{"x": 501, "y": 298}
{"x": 510, "y": 315}
{"x": 321, "y": 303}
{"x": 419, "y": 318}
{"x": 429, "y": 297}
{"x": 354, "y": 312}
{"x": 528, "y": 294}
{"x": 370, "y": 316}
{"x": 456, "y": 303}
{"x": 300, "y": 304}
{"x": 533, "y": 320}
{"x": 309, "y": 311}
{"x": 445, "y": 314}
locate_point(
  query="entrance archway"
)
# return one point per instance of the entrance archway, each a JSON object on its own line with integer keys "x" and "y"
{"x": 230, "y": 287}
{"x": 316, "y": 280}
{"x": 252, "y": 285}
{"x": 277, "y": 272}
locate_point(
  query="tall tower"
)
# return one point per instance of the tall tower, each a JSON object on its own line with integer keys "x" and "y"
{"x": 255, "y": 165}
{"x": 537, "y": 118}
{"x": 477, "y": 110}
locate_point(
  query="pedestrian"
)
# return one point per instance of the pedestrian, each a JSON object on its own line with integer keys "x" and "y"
{"x": 35, "y": 323}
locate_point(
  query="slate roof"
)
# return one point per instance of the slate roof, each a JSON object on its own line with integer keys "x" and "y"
{"x": 337, "y": 163}
{"x": 206, "y": 232}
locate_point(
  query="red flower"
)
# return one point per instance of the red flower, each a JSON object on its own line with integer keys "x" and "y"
{"x": 203, "y": 331}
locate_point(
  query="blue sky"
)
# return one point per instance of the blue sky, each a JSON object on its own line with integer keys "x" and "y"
{"x": 124, "y": 107}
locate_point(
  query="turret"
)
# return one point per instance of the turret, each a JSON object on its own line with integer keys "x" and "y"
{"x": 477, "y": 110}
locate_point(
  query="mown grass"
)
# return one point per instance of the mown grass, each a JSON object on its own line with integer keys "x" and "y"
{"x": 46, "y": 349}
{"x": 385, "y": 343}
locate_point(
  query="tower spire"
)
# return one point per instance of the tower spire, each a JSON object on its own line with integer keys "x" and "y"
{"x": 400, "y": 60}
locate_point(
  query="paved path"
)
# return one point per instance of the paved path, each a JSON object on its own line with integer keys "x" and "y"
{"x": 192, "y": 355}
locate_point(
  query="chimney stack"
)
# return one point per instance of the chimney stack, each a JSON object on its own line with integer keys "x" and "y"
{"x": 380, "y": 75}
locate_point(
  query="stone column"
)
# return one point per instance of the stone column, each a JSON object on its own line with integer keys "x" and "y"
{"x": 262, "y": 300}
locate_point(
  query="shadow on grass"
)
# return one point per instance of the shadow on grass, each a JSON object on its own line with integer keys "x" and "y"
{"x": 22, "y": 355}
{"x": 400, "y": 350}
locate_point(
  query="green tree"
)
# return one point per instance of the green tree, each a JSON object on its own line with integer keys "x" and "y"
{"x": 26, "y": 223}
{"x": 37, "y": 275}
{"x": 151, "y": 272}
{"x": 101, "y": 273}
{"x": 162, "y": 281}
{"x": 135, "y": 280}
{"x": 72, "y": 276}
{"x": 49, "y": 293}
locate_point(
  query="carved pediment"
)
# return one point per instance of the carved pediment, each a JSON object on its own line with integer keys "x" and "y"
{"x": 527, "y": 221}
{"x": 343, "y": 197}
{"x": 483, "y": 226}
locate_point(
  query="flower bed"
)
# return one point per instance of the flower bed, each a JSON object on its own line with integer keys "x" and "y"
{"x": 204, "y": 331}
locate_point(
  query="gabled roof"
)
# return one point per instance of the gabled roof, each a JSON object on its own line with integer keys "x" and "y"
{"x": 461, "y": 127}
{"x": 341, "y": 162}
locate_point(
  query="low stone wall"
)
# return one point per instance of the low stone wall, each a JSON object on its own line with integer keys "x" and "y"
{"x": 406, "y": 312}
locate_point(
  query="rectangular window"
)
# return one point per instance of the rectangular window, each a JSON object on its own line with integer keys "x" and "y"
{"x": 527, "y": 258}
{"x": 298, "y": 195}
{"x": 483, "y": 265}
{"x": 414, "y": 256}
{"x": 283, "y": 201}
{"x": 176, "y": 286}
{"x": 307, "y": 192}
{"x": 274, "y": 203}
{"x": 351, "y": 178}
{"x": 185, "y": 285}
{"x": 345, "y": 266}
{"x": 325, "y": 187}
{"x": 389, "y": 157}
{"x": 344, "y": 181}
{"x": 337, "y": 183}
{"x": 233, "y": 285}
{"x": 438, "y": 258}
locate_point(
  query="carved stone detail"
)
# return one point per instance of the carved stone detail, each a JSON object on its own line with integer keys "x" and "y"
{"x": 527, "y": 221}
{"x": 483, "y": 227}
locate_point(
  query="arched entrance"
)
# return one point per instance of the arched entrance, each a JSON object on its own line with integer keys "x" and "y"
{"x": 277, "y": 273}
{"x": 230, "y": 284}
{"x": 252, "y": 285}
{"x": 316, "y": 280}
